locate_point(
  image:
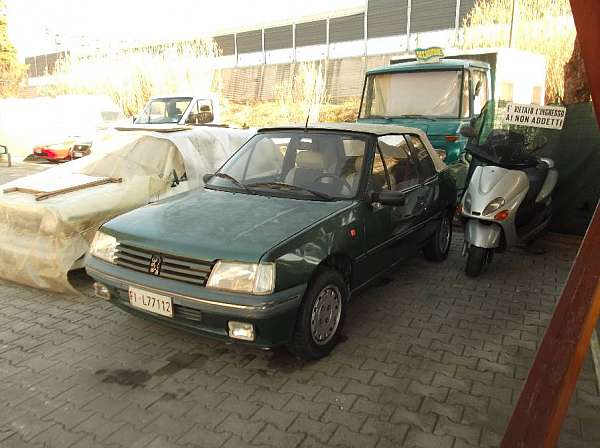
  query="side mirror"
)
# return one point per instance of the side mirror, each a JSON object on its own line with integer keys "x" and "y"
{"x": 133, "y": 119}
{"x": 388, "y": 197}
{"x": 205, "y": 117}
{"x": 200, "y": 118}
{"x": 207, "y": 177}
{"x": 468, "y": 131}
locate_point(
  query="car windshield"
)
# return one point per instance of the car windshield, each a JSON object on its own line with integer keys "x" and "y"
{"x": 413, "y": 94}
{"x": 163, "y": 110}
{"x": 309, "y": 165}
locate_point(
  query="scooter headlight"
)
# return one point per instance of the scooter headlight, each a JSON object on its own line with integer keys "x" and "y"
{"x": 493, "y": 206}
{"x": 467, "y": 205}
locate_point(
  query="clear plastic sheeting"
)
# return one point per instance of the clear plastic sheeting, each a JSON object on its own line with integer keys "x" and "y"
{"x": 428, "y": 93}
{"x": 44, "y": 236}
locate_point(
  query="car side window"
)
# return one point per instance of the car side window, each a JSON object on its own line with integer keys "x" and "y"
{"x": 378, "y": 179}
{"x": 425, "y": 162}
{"x": 401, "y": 167}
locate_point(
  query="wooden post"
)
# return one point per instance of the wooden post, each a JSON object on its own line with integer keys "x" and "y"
{"x": 538, "y": 416}
{"x": 586, "y": 14}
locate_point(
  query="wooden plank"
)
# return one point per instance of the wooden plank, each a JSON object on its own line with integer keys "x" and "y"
{"x": 20, "y": 190}
{"x": 108, "y": 180}
{"x": 538, "y": 416}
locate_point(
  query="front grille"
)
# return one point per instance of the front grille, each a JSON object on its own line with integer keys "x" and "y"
{"x": 172, "y": 267}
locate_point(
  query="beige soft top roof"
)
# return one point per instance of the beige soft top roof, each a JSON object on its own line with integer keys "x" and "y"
{"x": 369, "y": 128}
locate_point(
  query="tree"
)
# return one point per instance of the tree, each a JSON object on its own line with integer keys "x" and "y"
{"x": 577, "y": 89}
{"x": 12, "y": 72}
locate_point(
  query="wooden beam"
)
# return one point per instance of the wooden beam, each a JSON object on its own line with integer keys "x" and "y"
{"x": 538, "y": 416}
{"x": 586, "y": 14}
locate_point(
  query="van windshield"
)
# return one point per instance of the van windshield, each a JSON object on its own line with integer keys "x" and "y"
{"x": 413, "y": 94}
{"x": 163, "y": 110}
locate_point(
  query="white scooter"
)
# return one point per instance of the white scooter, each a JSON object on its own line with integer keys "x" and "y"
{"x": 508, "y": 199}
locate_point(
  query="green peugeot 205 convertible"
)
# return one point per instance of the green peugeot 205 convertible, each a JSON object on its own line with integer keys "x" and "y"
{"x": 270, "y": 251}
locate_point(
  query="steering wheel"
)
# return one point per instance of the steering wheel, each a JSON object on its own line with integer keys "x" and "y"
{"x": 344, "y": 182}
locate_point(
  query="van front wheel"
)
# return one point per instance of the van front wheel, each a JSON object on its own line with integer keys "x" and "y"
{"x": 321, "y": 316}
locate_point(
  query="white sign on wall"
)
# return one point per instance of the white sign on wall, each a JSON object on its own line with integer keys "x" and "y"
{"x": 549, "y": 117}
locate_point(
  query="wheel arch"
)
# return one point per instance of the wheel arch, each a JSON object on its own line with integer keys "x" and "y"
{"x": 341, "y": 263}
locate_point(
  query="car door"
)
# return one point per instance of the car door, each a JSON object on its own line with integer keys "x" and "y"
{"x": 430, "y": 187}
{"x": 388, "y": 228}
{"x": 406, "y": 221}
{"x": 376, "y": 224}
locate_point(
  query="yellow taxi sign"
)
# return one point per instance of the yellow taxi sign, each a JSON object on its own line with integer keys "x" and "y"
{"x": 431, "y": 54}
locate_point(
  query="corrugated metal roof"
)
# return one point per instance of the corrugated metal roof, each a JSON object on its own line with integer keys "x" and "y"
{"x": 386, "y": 18}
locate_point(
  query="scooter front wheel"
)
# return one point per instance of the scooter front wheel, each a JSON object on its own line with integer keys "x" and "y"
{"x": 476, "y": 258}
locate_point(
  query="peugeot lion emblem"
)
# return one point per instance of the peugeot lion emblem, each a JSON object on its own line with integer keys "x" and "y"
{"x": 155, "y": 264}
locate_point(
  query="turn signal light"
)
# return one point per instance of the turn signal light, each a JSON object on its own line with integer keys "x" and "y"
{"x": 501, "y": 216}
{"x": 451, "y": 138}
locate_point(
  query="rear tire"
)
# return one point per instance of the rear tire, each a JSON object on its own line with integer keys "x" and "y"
{"x": 476, "y": 258}
{"x": 438, "y": 246}
{"x": 321, "y": 316}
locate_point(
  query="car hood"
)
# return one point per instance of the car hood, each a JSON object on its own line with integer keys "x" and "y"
{"x": 209, "y": 225}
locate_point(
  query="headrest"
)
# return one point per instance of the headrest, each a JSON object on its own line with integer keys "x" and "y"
{"x": 358, "y": 163}
{"x": 309, "y": 160}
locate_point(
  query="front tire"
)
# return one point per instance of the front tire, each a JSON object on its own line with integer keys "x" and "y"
{"x": 438, "y": 246}
{"x": 476, "y": 258}
{"x": 321, "y": 316}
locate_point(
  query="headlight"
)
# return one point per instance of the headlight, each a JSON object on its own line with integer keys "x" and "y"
{"x": 468, "y": 203}
{"x": 104, "y": 247}
{"x": 493, "y": 206}
{"x": 251, "y": 278}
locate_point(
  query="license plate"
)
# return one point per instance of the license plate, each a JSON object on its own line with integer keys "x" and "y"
{"x": 38, "y": 151}
{"x": 152, "y": 302}
{"x": 77, "y": 154}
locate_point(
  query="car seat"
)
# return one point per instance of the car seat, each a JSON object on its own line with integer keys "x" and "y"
{"x": 309, "y": 166}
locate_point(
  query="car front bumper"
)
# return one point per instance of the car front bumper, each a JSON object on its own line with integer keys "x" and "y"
{"x": 203, "y": 310}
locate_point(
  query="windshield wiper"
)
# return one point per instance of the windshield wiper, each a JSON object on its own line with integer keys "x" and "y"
{"x": 377, "y": 117}
{"x": 232, "y": 179}
{"x": 416, "y": 116}
{"x": 293, "y": 187}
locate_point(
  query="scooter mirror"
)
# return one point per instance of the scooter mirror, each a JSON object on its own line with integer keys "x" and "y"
{"x": 468, "y": 131}
{"x": 540, "y": 142}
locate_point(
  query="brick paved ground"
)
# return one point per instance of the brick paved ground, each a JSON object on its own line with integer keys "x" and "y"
{"x": 430, "y": 359}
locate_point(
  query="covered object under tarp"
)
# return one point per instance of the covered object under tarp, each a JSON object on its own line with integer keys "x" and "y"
{"x": 48, "y": 220}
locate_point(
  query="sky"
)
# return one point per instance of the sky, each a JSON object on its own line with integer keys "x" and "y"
{"x": 34, "y": 23}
